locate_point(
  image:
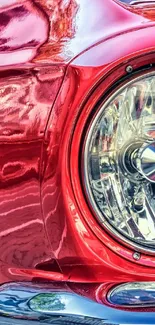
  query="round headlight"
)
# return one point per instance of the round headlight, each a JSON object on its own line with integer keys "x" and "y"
{"x": 119, "y": 163}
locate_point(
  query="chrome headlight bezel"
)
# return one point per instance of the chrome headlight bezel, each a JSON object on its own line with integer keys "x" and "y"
{"x": 85, "y": 169}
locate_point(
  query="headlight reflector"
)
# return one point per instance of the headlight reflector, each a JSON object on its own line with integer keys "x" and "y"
{"x": 119, "y": 163}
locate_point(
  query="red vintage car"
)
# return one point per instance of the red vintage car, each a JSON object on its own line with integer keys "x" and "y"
{"x": 77, "y": 162}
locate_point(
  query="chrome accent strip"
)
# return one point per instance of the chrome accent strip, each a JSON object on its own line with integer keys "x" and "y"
{"x": 44, "y": 305}
{"x": 53, "y": 321}
{"x": 142, "y": 2}
{"x": 133, "y": 295}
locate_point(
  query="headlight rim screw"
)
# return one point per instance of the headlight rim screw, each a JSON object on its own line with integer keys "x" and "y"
{"x": 136, "y": 256}
{"x": 129, "y": 69}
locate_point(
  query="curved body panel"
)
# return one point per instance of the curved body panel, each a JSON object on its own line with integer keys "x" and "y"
{"x": 48, "y": 78}
{"x": 85, "y": 252}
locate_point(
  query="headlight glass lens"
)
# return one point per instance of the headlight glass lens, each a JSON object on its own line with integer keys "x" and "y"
{"x": 119, "y": 163}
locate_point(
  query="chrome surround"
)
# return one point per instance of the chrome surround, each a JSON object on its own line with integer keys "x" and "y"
{"x": 142, "y": 2}
{"x": 105, "y": 224}
{"x": 16, "y": 299}
{"x": 146, "y": 160}
{"x": 144, "y": 290}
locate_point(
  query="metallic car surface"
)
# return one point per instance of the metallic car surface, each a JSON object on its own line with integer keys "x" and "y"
{"x": 91, "y": 260}
{"x": 133, "y": 294}
{"x": 57, "y": 59}
{"x": 52, "y": 304}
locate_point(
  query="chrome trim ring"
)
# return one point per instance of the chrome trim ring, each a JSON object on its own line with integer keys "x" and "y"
{"x": 85, "y": 175}
{"x": 133, "y": 295}
{"x": 142, "y": 2}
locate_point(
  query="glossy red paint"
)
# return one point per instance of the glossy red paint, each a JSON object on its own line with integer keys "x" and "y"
{"x": 84, "y": 250}
{"x": 56, "y": 59}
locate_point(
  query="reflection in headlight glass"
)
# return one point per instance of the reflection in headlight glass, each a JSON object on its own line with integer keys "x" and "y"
{"x": 120, "y": 162}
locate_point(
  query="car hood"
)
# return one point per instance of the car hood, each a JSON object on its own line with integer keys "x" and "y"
{"x": 57, "y": 31}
